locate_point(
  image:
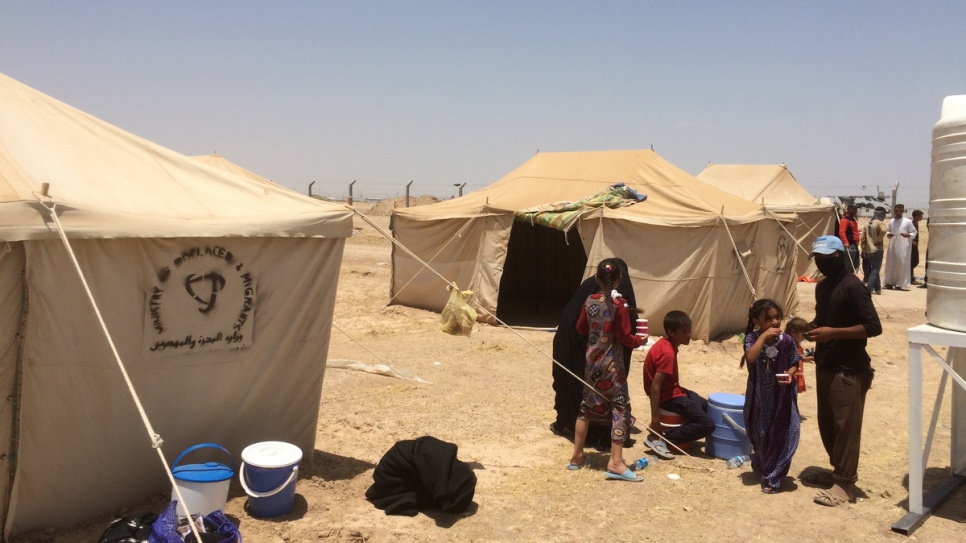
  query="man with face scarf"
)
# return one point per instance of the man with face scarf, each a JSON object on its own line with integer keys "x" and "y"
{"x": 872, "y": 251}
{"x": 844, "y": 318}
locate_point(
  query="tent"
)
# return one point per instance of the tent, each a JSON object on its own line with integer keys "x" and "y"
{"x": 217, "y": 290}
{"x": 777, "y": 189}
{"x": 681, "y": 243}
{"x": 223, "y": 163}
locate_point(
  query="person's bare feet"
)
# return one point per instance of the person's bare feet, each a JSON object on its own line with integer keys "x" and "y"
{"x": 578, "y": 460}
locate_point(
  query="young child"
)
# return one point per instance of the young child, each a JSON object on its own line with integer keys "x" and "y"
{"x": 796, "y": 328}
{"x": 606, "y": 322}
{"x": 665, "y": 391}
{"x": 771, "y": 404}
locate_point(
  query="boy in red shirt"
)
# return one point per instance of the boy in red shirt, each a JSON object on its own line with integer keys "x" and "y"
{"x": 665, "y": 392}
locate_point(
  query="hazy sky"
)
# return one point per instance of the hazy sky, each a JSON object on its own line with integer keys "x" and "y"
{"x": 845, "y": 93}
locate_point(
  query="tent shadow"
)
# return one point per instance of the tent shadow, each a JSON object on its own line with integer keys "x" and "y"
{"x": 333, "y": 467}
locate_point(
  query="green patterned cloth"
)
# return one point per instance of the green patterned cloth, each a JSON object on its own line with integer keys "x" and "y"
{"x": 564, "y": 216}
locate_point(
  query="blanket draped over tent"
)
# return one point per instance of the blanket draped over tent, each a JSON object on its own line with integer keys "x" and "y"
{"x": 564, "y": 216}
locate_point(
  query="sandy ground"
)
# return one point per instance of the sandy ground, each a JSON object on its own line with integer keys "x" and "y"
{"x": 491, "y": 394}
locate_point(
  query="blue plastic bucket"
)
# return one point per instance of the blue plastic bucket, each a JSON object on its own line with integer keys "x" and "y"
{"x": 204, "y": 487}
{"x": 728, "y": 439}
{"x": 268, "y": 474}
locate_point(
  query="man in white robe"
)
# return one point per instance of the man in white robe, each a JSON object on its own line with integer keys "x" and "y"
{"x": 900, "y": 231}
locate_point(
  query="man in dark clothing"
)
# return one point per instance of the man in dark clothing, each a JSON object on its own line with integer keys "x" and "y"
{"x": 844, "y": 318}
{"x": 916, "y": 218}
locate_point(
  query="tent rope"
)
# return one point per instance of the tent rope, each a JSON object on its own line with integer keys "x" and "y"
{"x": 399, "y": 244}
{"x": 155, "y": 438}
{"x": 357, "y": 342}
{"x": 738, "y": 256}
{"x": 459, "y": 233}
{"x": 779, "y": 221}
{"x": 508, "y": 327}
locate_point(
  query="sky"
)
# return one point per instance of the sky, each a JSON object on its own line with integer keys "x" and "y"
{"x": 444, "y": 93}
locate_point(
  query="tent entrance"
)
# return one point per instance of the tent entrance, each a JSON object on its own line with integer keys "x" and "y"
{"x": 543, "y": 268}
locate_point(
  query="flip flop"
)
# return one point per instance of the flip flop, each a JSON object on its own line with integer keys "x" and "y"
{"x": 769, "y": 490}
{"x": 575, "y": 467}
{"x": 828, "y": 499}
{"x": 628, "y": 476}
{"x": 659, "y": 448}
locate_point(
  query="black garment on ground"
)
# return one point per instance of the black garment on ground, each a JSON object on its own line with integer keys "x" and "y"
{"x": 570, "y": 349}
{"x": 422, "y": 474}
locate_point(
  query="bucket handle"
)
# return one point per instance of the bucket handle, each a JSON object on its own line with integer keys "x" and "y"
{"x": 252, "y": 493}
{"x": 732, "y": 422}
{"x": 202, "y": 446}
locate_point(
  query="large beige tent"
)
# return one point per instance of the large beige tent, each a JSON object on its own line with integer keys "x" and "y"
{"x": 223, "y": 163}
{"x": 681, "y": 243}
{"x": 777, "y": 189}
{"x": 217, "y": 290}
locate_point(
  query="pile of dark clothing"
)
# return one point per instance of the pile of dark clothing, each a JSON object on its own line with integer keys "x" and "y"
{"x": 416, "y": 475}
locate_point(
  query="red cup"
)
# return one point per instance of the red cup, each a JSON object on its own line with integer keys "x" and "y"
{"x": 783, "y": 378}
{"x": 642, "y": 327}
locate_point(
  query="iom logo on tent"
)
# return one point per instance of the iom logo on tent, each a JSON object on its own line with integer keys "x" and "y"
{"x": 784, "y": 254}
{"x": 204, "y": 300}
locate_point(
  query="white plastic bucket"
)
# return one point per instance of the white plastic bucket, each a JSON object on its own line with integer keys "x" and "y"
{"x": 268, "y": 474}
{"x": 946, "y": 258}
{"x": 203, "y": 486}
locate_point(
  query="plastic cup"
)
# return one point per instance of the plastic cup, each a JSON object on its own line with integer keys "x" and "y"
{"x": 642, "y": 327}
{"x": 783, "y": 378}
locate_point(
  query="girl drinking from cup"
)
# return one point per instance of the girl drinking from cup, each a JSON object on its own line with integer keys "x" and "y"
{"x": 771, "y": 400}
{"x": 605, "y": 320}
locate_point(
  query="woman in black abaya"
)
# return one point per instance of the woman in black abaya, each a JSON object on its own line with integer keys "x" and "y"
{"x": 569, "y": 348}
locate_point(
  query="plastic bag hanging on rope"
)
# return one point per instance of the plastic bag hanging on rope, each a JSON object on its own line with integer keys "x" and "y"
{"x": 457, "y": 317}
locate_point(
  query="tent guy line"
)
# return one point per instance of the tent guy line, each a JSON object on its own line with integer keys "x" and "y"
{"x": 156, "y": 441}
{"x": 741, "y": 263}
{"x": 517, "y": 333}
{"x": 453, "y": 237}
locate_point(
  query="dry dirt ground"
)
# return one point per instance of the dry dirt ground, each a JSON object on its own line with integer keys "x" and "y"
{"x": 491, "y": 394}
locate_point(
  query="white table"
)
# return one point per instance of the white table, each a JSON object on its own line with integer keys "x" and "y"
{"x": 922, "y": 338}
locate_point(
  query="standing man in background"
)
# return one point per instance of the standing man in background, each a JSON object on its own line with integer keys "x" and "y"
{"x": 849, "y": 234}
{"x": 916, "y": 217}
{"x": 900, "y": 231}
{"x": 871, "y": 240}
